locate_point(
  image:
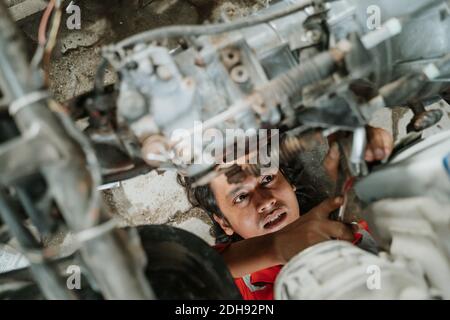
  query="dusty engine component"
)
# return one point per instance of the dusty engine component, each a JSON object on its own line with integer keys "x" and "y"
{"x": 232, "y": 77}
{"x": 338, "y": 270}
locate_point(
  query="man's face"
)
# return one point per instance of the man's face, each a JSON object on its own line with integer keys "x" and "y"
{"x": 256, "y": 206}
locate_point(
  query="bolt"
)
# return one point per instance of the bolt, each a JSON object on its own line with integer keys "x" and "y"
{"x": 312, "y": 36}
{"x": 239, "y": 74}
{"x": 231, "y": 57}
{"x": 427, "y": 119}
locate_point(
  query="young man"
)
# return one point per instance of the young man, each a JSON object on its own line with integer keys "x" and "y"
{"x": 264, "y": 223}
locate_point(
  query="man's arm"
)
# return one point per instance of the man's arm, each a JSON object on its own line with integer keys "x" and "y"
{"x": 254, "y": 254}
{"x": 251, "y": 255}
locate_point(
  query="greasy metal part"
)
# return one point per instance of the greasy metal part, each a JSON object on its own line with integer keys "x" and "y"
{"x": 40, "y": 219}
{"x": 296, "y": 79}
{"x": 357, "y": 163}
{"x": 121, "y": 277}
{"x": 409, "y": 87}
{"x": 263, "y": 101}
{"x": 394, "y": 26}
{"x": 30, "y": 146}
{"x": 412, "y": 49}
{"x": 423, "y": 119}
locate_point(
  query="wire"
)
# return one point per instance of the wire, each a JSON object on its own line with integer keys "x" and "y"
{"x": 42, "y": 37}
{"x": 197, "y": 30}
{"x": 46, "y": 46}
{"x": 42, "y": 34}
{"x": 56, "y": 22}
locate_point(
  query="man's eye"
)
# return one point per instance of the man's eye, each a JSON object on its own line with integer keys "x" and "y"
{"x": 267, "y": 179}
{"x": 240, "y": 198}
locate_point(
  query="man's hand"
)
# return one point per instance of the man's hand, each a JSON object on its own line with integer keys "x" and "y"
{"x": 379, "y": 146}
{"x": 310, "y": 229}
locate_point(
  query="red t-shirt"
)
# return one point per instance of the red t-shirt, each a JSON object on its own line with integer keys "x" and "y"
{"x": 258, "y": 285}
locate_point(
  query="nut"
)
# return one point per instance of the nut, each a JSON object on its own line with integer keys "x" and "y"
{"x": 230, "y": 57}
{"x": 239, "y": 74}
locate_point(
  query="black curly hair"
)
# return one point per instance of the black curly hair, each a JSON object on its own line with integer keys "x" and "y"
{"x": 308, "y": 196}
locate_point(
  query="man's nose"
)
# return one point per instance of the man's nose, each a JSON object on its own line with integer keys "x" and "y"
{"x": 266, "y": 202}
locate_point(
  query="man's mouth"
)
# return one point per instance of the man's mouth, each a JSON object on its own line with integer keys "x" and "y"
{"x": 275, "y": 219}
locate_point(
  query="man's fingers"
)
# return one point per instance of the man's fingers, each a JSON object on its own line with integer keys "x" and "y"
{"x": 324, "y": 209}
{"x": 338, "y": 230}
{"x": 377, "y": 145}
{"x": 388, "y": 143}
{"x": 380, "y": 144}
{"x": 369, "y": 155}
{"x": 331, "y": 161}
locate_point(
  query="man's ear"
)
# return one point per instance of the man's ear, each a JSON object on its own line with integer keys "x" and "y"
{"x": 224, "y": 224}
